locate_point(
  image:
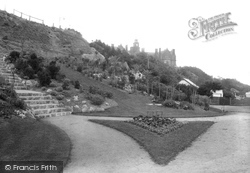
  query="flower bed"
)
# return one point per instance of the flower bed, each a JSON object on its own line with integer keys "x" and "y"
{"x": 156, "y": 124}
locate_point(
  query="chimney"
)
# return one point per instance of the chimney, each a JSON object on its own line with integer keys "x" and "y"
{"x": 126, "y": 47}
{"x": 160, "y": 53}
{"x": 156, "y": 53}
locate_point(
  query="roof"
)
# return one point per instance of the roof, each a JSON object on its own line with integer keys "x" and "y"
{"x": 186, "y": 81}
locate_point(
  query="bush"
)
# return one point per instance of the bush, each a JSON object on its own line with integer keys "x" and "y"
{"x": 2, "y": 81}
{"x": 43, "y": 88}
{"x": 186, "y": 105}
{"x": 14, "y": 55}
{"x": 21, "y": 64}
{"x": 53, "y": 69}
{"x": 142, "y": 87}
{"x": 18, "y": 103}
{"x": 66, "y": 94}
{"x": 77, "y": 84}
{"x": 179, "y": 96}
{"x": 34, "y": 62}
{"x": 66, "y": 84}
{"x": 3, "y": 96}
{"x": 59, "y": 97}
{"x": 108, "y": 95}
{"x": 60, "y": 77}
{"x": 53, "y": 93}
{"x": 79, "y": 69}
{"x": 96, "y": 100}
{"x": 53, "y": 85}
{"x": 44, "y": 78}
{"x": 59, "y": 89}
{"x": 94, "y": 90}
{"x": 170, "y": 104}
{"x": 29, "y": 72}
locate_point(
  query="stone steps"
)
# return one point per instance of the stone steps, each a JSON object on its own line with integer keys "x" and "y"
{"x": 45, "y": 106}
{"x": 49, "y": 111}
{"x": 53, "y": 114}
{"x": 39, "y": 102}
{"x": 45, "y": 97}
{"x": 42, "y": 105}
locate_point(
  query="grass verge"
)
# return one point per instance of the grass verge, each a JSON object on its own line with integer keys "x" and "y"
{"x": 161, "y": 149}
{"x": 32, "y": 140}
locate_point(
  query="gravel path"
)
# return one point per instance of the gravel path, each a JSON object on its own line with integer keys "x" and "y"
{"x": 225, "y": 147}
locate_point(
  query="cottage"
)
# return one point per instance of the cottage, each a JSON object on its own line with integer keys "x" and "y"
{"x": 217, "y": 93}
{"x": 248, "y": 94}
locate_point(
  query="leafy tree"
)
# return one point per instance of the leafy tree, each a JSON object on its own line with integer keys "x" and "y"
{"x": 53, "y": 69}
{"x": 207, "y": 87}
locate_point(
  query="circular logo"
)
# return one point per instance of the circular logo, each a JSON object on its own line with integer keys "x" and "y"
{"x": 7, "y": 167}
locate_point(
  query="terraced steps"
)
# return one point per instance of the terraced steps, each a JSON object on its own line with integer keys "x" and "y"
{"x": 43, "y": 105}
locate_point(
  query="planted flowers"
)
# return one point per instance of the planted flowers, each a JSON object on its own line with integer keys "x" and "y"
{"x": 156, "y": 124}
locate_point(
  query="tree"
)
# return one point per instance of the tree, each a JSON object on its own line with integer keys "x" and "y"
{"x": 208, "y": 87}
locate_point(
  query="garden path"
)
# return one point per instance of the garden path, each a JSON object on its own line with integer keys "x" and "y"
{"x": 225, "y": 147}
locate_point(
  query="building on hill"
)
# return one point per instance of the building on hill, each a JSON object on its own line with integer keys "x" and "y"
{"x": 217, "y": 93}
{"x": 166, "y": 56}
{"x": 135, "y": 49}
{"x": 248, "y": 94}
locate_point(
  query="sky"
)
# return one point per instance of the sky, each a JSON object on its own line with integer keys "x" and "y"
{"x": 156, "y": 24}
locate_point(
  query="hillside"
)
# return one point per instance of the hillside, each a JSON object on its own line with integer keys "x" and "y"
{"x": 20, "y": 34}
{"x": 199, "y": 77}
{"x": 195, "y": 74}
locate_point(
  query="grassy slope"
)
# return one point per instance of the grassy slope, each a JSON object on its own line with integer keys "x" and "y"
{"x": 161, "y": 149}
{"x": 32, "y": 140}
{"x": 129, "y": 104}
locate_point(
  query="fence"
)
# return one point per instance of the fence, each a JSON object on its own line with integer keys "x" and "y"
{"x": 22, "y": 15}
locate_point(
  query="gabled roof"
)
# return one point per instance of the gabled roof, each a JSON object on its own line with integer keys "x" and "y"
{"x": 186, "y": 81}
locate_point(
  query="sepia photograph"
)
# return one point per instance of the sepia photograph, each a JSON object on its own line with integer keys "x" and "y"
{"x": 124, "y": 86}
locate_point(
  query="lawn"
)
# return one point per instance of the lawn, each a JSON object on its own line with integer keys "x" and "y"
{"x": 32, "y": 140}
{"x": 161, "y": 149}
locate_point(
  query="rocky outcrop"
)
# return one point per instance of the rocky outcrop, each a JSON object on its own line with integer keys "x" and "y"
{"x": 20, "y": 34}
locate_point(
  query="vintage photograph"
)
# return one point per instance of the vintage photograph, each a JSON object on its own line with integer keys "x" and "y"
{"x": 124, "y": 86}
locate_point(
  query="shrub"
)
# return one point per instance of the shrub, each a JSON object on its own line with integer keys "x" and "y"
{"x": 53, "y": 85}
{"x": 59, "y": 89}
{"x": 44, "y": 78}
{"x": 79, "y": 69}
{"x": 66, "y": 94}
{"x": 18, "y": 103}
{"x": 53, "y": 93}
{"x": 93, "y": 90}
{"x": 77, "y": 84}
{"x": 66, "y": 84}
{"x": 59, "y": 97}
{"x": 186, "y": 105}
{"x": 3, "y": 96}
{"x": 170, "y": 104}
{"x": 29, "y": 72}
{"x": 60, "y": 77}
{"x": 14, "y": 55}
{"x": 34, "y": 62}
{"x": 53, "y": 69}
{"x": 108, "y": 95}
{"x": 206, "y": 106}
{"x": 2, "y": 81}
{"x": 21, "y": 64}
{"x": 142, "y": 87}
{"x": 96, "y": 100}
{"x": 43, "y": 88}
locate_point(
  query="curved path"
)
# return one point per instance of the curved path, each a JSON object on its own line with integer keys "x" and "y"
{"x": 225, "y": 147}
